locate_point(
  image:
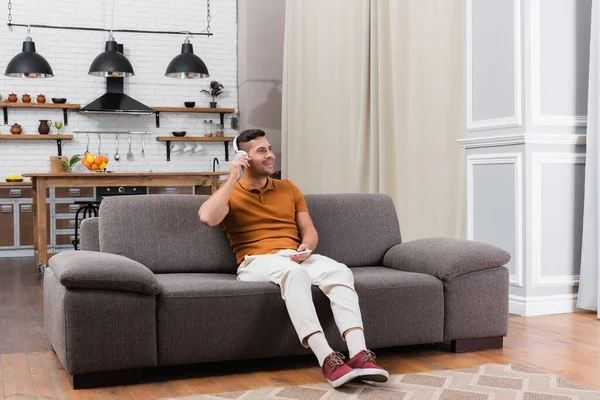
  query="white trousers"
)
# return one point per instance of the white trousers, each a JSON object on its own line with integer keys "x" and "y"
{"x": 333, "y": 278}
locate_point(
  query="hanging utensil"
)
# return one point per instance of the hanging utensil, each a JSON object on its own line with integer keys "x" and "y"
{"x": 117, "y": 156}
{"x": 129, "y": 153}
{"x": 98, "y": 144}
{"x": 143, "y": 142}
{"x": 87, "y": 143}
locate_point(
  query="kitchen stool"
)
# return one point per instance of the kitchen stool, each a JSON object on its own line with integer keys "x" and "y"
{"x": 87, "y": 207}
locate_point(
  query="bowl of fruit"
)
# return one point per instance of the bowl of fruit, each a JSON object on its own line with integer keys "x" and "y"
{"x": 14, "y": 178}
{"x": 94, "y": 162}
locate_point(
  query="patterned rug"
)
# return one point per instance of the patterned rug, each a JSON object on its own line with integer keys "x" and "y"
{"x": 485, "y": 382}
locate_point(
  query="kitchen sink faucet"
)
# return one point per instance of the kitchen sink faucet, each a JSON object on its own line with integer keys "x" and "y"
{"x": 217, "y": 161}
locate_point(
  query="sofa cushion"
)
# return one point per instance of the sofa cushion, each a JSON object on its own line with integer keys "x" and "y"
{"x": 164, "y": 233}
{"x": 196, "y": 311}
{"x": 354, "y": 229}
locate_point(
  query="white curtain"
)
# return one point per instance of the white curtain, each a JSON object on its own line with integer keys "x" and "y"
{"x": 589, "y": 277}
{"x": 373, "y": 101}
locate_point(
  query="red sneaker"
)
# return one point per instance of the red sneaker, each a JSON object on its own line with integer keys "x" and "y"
{"x": 367, "y": 369}
{"x": 336, "y": 371}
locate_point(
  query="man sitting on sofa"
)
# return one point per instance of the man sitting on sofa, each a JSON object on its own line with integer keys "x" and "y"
{"x": 273, "y": 237}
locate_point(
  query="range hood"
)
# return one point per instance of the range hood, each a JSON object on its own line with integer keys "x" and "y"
{"x": 117, "y": 103}
{"x": 114, "y": 101}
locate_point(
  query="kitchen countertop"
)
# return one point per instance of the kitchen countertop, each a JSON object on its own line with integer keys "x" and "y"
{"x": 15, "y": 183}
{"x": 118, "y": 174}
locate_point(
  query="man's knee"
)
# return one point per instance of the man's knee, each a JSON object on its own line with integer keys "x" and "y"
{"x": 295, "y": 272}
{"x": 293, "y": 275}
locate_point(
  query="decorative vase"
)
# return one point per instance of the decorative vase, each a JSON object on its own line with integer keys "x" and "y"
{"x": 213, "y": 104}
{"x": 44, "y": 127}
{"x": 41, "y": 98}
{"x": 12, "y": 98}
{"x": 16, "y": 129}
{"x": 26, "y": 98}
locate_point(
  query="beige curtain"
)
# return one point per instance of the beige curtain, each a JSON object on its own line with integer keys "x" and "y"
{"x": 373, "y": 101}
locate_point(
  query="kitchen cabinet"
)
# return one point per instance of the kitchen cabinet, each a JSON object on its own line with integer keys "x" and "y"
{"x": 25, "y": 225}
{"x": 16, "y": 220}
{"x": 62, "y": 219}
{"x": 7, "y": 222}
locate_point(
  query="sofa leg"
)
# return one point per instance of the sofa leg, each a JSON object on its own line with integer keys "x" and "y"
{"x": 106, "y": 378}
{"x": 478, "y": 344}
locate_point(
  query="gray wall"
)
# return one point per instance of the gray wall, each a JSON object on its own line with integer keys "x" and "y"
{"x": 493, "y": 59}
{"x": 564, "y": 55}
{"x": 525, "y": 176}
{"x": 261, "y": 32}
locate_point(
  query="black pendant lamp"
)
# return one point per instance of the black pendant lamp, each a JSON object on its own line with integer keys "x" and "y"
{"x": 111, "y": 63}
{"x": 28, "y": 63}
{"x": 187, "y": 65}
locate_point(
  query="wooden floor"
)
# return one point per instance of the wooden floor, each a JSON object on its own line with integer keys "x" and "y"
{"x": 567, "y": 345}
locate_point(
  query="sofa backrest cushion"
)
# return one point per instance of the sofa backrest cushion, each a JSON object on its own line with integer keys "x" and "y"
{"x": 164, "y": 233}
{"x": 354, "y": 229}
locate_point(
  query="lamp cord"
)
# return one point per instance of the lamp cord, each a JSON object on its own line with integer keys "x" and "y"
{"x": 10, "y": 15}
{"x": 112, "y": 22}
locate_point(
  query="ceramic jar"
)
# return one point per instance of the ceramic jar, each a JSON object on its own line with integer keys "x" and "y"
{"x": 12, "y": 98}
{"x": 16, "y": 129}
{"x": 41, "y": 99}
{"x": 26, "y": 98}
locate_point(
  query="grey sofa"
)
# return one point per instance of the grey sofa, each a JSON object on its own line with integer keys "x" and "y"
{"x": 152, "y": 286}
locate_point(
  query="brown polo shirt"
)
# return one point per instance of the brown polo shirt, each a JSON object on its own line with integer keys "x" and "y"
{"x": 263, "y": 221}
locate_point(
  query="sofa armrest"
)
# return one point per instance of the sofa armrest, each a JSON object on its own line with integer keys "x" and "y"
{"x": 444, "y": 258}
{"x": 102, "y": 271}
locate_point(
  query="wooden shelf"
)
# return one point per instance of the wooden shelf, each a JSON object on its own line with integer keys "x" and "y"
{"x": 64, "y": 107}
{"x": 220, "y": 111}
{"x": 24, "y": 136}
{"x": 194, "y": 139}
{"x": 58, "y": 138}
{"x": 38, "y": 105}
{"x": 195, "y": 110}
{"x": 169, "y": 139}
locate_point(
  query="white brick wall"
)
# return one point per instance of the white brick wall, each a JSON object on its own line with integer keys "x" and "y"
{"x": 70, "y": 54}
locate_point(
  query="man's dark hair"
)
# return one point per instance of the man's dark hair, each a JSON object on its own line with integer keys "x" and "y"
{"x": 248, "y": 135}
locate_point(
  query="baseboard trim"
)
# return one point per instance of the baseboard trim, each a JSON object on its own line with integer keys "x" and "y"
{"x": 542, "y": 305}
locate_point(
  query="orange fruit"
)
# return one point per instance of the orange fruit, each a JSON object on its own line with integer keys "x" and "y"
{"x": 94, "y": 167}
{"x": 86, "y": 163}
{"x": 98, "y": 160}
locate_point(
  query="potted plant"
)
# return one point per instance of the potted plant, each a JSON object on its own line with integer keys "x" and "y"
{"x": 68, "y": 165}
{"x": 215, "y": 90}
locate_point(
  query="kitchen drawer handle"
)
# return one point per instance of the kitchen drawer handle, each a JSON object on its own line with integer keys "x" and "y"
{"x": 26, "y": 208}
{"x": 73, "y": 207}
{"x": 74, "y": 192}
{"x": 6, "y": 209}
{"x": 171, "y": 190}
{"x": 15, "y": 193}
{"x": 72, "y": 223}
